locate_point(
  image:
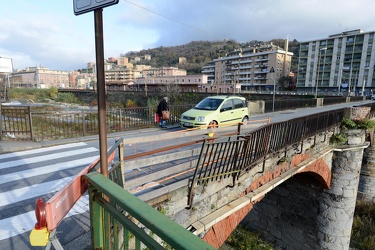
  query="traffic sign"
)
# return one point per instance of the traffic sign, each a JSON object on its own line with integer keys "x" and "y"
{"x": 6, "y": 65}
{"x": 84, "y": 6}
{"x": 272, "y": 70}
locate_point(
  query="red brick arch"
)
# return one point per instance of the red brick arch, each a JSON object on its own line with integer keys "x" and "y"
{"x": 318, "y": 169}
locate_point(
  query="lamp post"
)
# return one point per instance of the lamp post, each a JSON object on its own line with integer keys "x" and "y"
{"x": 363, "y": 87}
{"x": 274, "y": 89}
{"x": 317, "y": 76}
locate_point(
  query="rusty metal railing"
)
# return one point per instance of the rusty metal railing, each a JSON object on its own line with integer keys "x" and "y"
{"x": 231, "y": 158}
{"x": 15, "y": 121}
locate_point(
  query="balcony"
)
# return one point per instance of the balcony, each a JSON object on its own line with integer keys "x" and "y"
{"x": 245, "y": 67}
{"x": 261, "y": 60}
{"x": 246, "y": 61}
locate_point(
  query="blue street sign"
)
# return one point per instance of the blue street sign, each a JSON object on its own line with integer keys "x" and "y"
{"x": 84, "y": 6}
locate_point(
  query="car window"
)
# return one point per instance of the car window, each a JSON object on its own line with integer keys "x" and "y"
{"x": 209, "y": 104}
{"x": 226, "y": 106}
{"x": 238, "y": 103}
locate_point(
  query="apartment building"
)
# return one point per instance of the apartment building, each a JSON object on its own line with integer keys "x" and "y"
{"x": 341, "y": 63}
{"x": 40, "y": 77}
{"x": 253, "y": 68}
{"x": 163, "y": 71}
{"x": 120, "y": 76}
{"x": 192, "y": 83}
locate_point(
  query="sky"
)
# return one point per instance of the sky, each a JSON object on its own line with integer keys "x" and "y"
{"x": 47, "y": 33}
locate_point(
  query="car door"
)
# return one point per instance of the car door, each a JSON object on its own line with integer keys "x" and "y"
{"x": 240, "y": 110}
{"x": 226, "y": 112}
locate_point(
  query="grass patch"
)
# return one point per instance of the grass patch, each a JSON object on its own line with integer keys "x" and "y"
{"x": 243, "y": 239}
{"x": 363, "y": 230}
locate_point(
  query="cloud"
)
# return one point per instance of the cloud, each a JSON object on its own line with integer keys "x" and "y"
{"x": 48, "y": 33}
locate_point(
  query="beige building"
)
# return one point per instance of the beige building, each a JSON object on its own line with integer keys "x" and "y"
{"x": 40, "y": 77}
{"x": 182, "y": 60}
{"x": 164, "y": 71}
{"x": 184, "y": 82}
{"x": 249, "y": 69}
{"x": 122, "y": 61}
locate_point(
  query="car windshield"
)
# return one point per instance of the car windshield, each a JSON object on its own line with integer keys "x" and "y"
{"x": 209, "y": 104}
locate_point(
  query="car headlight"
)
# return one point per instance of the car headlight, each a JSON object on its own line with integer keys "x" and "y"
{"x": 200, "y": 119}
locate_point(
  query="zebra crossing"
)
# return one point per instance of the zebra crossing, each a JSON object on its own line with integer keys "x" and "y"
{"x": 37, "y": 173}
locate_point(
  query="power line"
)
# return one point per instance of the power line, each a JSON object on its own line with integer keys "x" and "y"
{"x": 171, "y": 19}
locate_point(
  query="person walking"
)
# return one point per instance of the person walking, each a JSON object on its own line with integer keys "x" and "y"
{"x": 163, "y": 106}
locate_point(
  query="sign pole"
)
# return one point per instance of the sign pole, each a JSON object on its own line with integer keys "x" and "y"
{"x": 99, "y": 47}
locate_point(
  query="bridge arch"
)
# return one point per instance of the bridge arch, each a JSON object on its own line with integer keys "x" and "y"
{"x": 318, "y": 175}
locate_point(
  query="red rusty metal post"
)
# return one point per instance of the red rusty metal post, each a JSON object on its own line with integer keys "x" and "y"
{"x": 99, "y": 47}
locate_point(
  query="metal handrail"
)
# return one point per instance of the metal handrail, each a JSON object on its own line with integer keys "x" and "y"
{"x": 109, "y": 205}
{"x": 232, "y": 158}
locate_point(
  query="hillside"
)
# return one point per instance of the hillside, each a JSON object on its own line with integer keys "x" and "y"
{"x": 199, "y": 53}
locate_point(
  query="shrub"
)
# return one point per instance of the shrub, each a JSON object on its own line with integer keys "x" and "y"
{"x": 66, "y": 97}
{"x": 338, "y": 139}
{"x": 130, "y": 104}
{"x": 363, "y": 230}
{"x": 359, "y": 124}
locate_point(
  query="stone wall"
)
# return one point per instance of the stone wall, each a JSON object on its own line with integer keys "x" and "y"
{"x": 299, "y": 214}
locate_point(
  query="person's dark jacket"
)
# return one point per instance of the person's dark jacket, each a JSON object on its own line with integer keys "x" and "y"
{"x": 163, "y": 105}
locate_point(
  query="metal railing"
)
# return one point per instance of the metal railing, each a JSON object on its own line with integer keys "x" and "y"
{"x": 15, "y": 121}
{"x": 40, "y": 126}
{"x": 121, "y": 221}
{"x": 23, "y": 124}
{"x": 230, "y": 159}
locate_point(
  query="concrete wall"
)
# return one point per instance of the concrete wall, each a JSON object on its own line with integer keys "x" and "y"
{"x": 256, "y": 107}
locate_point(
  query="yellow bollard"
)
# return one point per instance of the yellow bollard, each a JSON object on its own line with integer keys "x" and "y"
{"x": 39, "y": 237}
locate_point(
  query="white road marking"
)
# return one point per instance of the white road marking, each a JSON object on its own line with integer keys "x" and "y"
{"x": 47, "y": 157}
{"x": 41, "y": 150}
{"x": 45, "y": 170}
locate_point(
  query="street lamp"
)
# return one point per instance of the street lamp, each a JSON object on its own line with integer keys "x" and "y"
{"x": 274, "y": 89}
{"x": 317, "y": 76}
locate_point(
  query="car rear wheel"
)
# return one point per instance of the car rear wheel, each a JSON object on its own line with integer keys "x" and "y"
{"x": 245, "y": 120}
{"x": 212, "y": 124}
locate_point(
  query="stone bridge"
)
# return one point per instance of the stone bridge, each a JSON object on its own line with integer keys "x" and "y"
{"x": 286, "y": 180}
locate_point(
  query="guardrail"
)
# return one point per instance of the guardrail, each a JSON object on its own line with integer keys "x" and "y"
{"x": 23, "y": 124}
{"x": 231, "y": 158}
{"x": 15, "y": 121}
{"x": 111, "y": 208}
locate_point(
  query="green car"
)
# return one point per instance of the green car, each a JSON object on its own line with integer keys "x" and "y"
{"x": 216, "y": 111}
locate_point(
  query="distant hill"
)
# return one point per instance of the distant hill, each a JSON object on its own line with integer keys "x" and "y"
{"x": 199, "y": 53}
